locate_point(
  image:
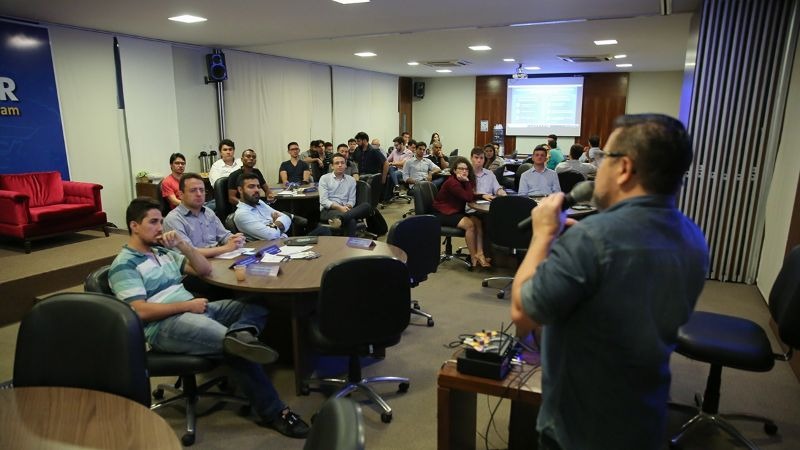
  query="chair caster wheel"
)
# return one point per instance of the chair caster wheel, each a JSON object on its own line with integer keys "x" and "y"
{"x": 402, "y": 389}
{"x": 187, "y": 439}
{"x": 770, "y": 428}
{"x": 485, "y": 283}
{"x": 416, "y": 306}
{"x": 158, "y": 394}
{"x": 386, "y": 418}
{"x": 245, "y": 410}
{"x": 430, "y": 322}
{"x": 304, "y": 389}
{"x": 501, "y": 295}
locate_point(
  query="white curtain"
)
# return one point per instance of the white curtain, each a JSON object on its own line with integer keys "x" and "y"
{"x": 365, "y": 101}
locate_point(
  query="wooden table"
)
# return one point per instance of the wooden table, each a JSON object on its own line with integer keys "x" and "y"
{"x": 457, "y": 403}
{"x": 305, "y": 204}
{"x": 300, "y": 279}
{"x": 61, "y": 418}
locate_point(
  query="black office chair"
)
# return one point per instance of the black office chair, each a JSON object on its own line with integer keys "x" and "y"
{"x": 424, "y": 194}
{"x": 507, "y": 182}
{"x": 727, "y": 341}
{"x": 337, "y": 426}
{"x": 377, "y": 314}
{"x": 83, "y": 340}
{"x": 418, "y": 236}
{"x": 520, "y": 170}
{"x": 454, "y": 152}
{"x": 162, "y": 202}
{"x": 364, "y": 195}
{"x": 568, "y": 180}
{"x": 504, "y": 215}
{"x": 223, "y": 207}
{"x": 185, "y": 367}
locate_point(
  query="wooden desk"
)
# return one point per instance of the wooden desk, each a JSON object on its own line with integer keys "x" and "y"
{"x": 457, "y": 401}
{"x": 60, "y": 418}
{"x": 305, "y": 204}
{"x": 301, "y": 280}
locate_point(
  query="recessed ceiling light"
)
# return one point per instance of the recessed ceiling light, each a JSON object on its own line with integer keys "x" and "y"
{"x": 620, "y": 56}
{"x": 188, "y": 18}
{"x": 532, "y": 68}
{"x": 508, "y": 59}
{"x": 443, "y": 70}
{"x": 547, "y": 22}
{"x": 348, "y": 2}
{"x": 480, "y": 48}
{"x": 365, "y": 54}
{"x": 412, "y": 63}
{"x": 690, "y": 64}
{"x": 625, "y": 65}
{"x": 606, "y": 42}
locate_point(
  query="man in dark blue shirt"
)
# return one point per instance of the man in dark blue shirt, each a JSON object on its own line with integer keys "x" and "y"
{"x": 612, "y": 291}
{"x": 294, "y": 170}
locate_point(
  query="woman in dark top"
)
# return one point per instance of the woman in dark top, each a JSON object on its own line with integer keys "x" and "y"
{"x": 452, "y": 198}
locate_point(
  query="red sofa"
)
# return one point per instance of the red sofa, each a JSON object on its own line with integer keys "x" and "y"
{"x": 40, "y": 204}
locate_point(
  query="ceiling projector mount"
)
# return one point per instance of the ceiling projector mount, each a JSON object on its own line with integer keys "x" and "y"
{"x": 519, "y": 73}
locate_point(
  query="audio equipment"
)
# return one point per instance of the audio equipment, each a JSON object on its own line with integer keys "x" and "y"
{"x": 217, "y": 71}
{"x": 419, "y": 89}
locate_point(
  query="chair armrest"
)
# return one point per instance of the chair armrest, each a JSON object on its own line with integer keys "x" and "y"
{"x": 14, "y": 207}
{"x": 77, "y": 192}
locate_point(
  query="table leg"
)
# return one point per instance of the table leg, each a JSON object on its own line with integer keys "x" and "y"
{"x": 522, "y": 434}
{"x": 302, "y": 306}
{"x": 456, "y": 419}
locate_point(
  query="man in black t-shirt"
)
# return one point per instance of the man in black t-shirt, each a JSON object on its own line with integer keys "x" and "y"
{"x": 294, "y": 170}
{"x": 248, "y": 166}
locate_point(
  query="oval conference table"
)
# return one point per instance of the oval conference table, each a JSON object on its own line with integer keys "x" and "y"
{"x": 71, "y": 418}
{"x": 297, "y": 283}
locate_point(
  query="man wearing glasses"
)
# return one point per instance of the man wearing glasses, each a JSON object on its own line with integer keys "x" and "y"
{"x": 169, "y": 186}
{"x": 610, "y": 293}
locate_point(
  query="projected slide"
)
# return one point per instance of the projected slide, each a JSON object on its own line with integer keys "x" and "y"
{"x": 540, "y": 106}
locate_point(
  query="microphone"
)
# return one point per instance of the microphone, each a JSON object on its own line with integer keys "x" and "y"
{"x": 582, "y": 192}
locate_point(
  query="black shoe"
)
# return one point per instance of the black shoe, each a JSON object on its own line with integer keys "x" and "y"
{"x": 299, "y": 221}
{"x": 289, "y": 424}
{"x": 245, "y": 345}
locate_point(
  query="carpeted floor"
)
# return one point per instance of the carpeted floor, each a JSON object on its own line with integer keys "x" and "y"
{"x": 460, "y": 305}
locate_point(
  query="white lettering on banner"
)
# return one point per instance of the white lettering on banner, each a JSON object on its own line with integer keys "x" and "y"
{"x": 7, "y": 87}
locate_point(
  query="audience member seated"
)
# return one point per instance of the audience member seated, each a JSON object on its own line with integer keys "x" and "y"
{"x": 294, "y": 170}
{"x": 419, "y": 168}
{"x": 337, "y": 198}
{"x": 397, "y": 159}
{"x": 169, "y": 186}
{"x": 147, "y": 274}
{"x": 573, "y": 164}
{"x": 351, "y": 168}
{"x": 594, "y": 154}
{"x": 227, "y": 163}
{"x": 555, "y": 156}
{"x": 315, "y": 158}
{"x": 539, "y": 180}
{"x": 248, "y": 167}
{"x": 493, "y": 160}
{"x": 438, "y": 157}
{"x": 485, "y": 182}
{"x": 327, "y": 157}
{"x": 450, "y": 203}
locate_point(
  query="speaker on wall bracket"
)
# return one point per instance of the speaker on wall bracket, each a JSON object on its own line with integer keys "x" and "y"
{"x": 419, "y": 89}
{"x": 217, "y": 71}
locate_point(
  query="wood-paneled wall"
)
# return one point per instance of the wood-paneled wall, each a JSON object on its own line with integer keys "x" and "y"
{"x": 604, "y": 98}
{"x": 404, "y": 93}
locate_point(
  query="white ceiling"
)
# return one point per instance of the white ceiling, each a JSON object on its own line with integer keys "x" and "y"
{"x": 399, "y": 30}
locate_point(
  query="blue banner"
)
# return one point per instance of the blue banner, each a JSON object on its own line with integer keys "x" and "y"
{"x": 31, "y": 137}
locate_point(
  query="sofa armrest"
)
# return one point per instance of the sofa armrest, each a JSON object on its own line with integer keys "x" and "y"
{"x": 77, "y": 192}
{"x": 14, "y": 207}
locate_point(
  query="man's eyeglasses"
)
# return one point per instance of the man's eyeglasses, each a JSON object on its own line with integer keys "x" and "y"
{"x": 616, "y": 154}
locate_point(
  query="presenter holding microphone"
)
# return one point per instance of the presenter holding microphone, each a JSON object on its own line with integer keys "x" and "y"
{"x": 609, "y": 294}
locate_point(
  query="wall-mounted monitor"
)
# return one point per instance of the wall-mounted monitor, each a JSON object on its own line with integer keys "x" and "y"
{"x": 541, "y": 106}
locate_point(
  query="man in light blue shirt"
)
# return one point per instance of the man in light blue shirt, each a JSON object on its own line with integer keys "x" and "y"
{"x": 419, "y": 168}
{"x": 539, "y": 180}
{"x": 255, "y": 218}
{"x": 337, "y": 198}
{"x": 485, "y": 181}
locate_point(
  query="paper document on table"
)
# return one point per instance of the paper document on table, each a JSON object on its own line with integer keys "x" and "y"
{"x": 289, "y": 193}
{"x": 481, "y": 202}
{"x": 287, "y": 250}
{"x": 233, "y": 253}
{"x": 267, "y": 258}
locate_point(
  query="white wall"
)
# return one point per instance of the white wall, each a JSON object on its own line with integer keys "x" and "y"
{"x": 782, "y": 189}
{"x": 448, "y": 109}
{"x": 654, "y": 92}
{"x": 364, "y": 101}
{"x": 196, "y": 104}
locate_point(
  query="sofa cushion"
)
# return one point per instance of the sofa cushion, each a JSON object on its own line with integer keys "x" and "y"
{"x": 52, "y": 213}
{"x": 42, "y": 188}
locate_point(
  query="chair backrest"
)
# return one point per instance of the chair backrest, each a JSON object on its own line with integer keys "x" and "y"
{"x": 338, "y": 426}
{"x": 375, "y": 190}
{"x": 223, "y": 207}
{"x": 498, "y": 173}
{"x": 418, "y": 236}
{"x": 504, "y": 215}
{"x": 97, "y": 281}
{"x": 83, "y": 340}
{"x": 363, "y": 192}
{"x": 161, "y": 200}
{"x": 567, "y": 180}
{"x": 520, "y": 170}
{"x": 371, "y": 311}
{"x": 454, "y": 152}
{"x": 424, "y": 194}
{"x": 784, "y": 299}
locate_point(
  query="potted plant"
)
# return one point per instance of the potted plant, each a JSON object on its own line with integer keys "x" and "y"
{"x": 142, "y": 177}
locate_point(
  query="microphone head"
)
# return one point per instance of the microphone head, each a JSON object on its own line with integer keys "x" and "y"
{"x": 583, "y": 191}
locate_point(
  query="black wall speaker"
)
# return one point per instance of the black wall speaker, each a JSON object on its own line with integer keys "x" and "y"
{"x": 419, "y": 89}
{"x": 217, "y": 71}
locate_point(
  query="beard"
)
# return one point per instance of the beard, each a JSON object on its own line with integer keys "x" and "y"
{"x": 251, "y": 200}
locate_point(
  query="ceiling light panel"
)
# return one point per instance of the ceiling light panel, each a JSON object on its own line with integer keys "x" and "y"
{"x": 480, "y": 48}
{"x": 188, "y": 18}
{"x": 508, "y": 59}
{"x": 350, "y": 2}
{"x": 412, "y": 63}
{"x": 443, "y": 70}
{"x": 365, "y": 54}
{"x": 625, "y": 65}
{"x": 606, "y": 42}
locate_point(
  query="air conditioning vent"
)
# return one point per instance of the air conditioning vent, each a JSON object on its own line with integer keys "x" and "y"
{"x": 585, "y": 59}
{"x": 447, "y": 64}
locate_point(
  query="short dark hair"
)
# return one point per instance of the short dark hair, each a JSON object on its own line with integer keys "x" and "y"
{"x": 227, "y": 142}
{"x": 479, "y": 151}
{"x": 412, "y": 142}
{"x": 362, "y": 136}
{"x": 594, "y": 140}
{"x": 327, "y": 144}
{"x": 187, "y": 176}
{"x": 660, "y": 148}
{"x": 248, "y": 150}
{"x": 351, "y": 141}
{"x": 540, "y": 147}
{"x": 246, "y": 176}
{"x": 489, "y": 145}
{"x": 138, "y": 209}
{"x": 175, "y": 156}
{"x": 290, "y": 144}
{"x": 338, "y": 155}
{"x": 340, "y": 146}
{"x": 405, "y": 133}
{"x": 422, "y": 144}
{"x": 398, "y": 140}
{"x": 575, "y": 151}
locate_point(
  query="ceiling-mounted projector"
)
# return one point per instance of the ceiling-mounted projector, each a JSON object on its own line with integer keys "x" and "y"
{"x": 519, "y": 73}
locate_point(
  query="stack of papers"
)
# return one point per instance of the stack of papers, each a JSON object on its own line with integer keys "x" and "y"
{"x": 290, "y": 252}
{"x": 234, "y": 253}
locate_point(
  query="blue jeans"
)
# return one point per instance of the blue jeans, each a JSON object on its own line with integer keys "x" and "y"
{"x": 396, "y": 175}
{"x": 202, "y": 334}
